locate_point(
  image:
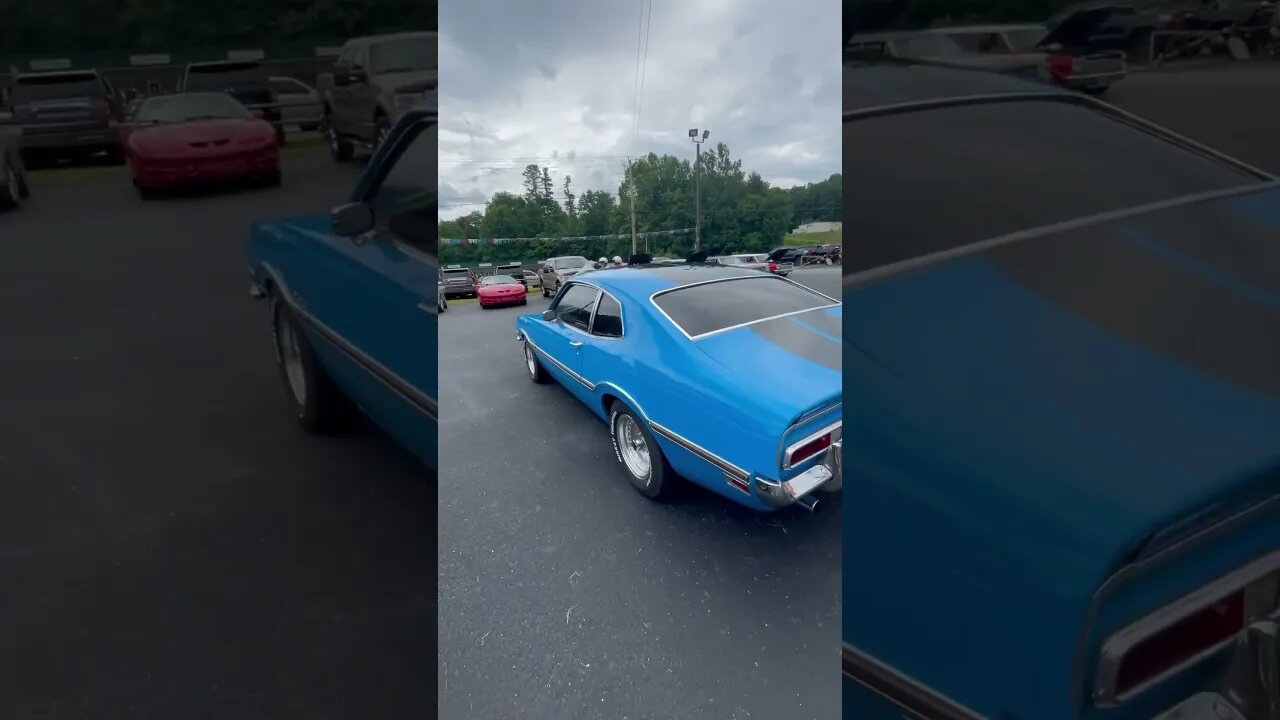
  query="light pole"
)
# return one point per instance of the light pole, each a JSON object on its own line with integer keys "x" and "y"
{"x": 697, "y": 185}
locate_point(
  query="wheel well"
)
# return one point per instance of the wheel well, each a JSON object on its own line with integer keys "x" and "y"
{"x": 608, "y": 401}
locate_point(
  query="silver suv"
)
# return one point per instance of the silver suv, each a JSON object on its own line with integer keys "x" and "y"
{"x": 555, "y": 271}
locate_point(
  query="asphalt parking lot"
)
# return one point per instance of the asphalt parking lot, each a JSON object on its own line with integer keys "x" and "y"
{"x": 564, "y": 593}
{"x": 171, "y": 546}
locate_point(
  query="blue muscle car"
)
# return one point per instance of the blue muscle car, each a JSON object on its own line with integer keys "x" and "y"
{"x": 728, "y": 377}
{"x": 1063, "y": 343}
{"x": 353, "y": 295}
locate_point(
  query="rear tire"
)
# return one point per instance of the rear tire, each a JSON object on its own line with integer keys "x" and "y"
{"x": 340, "y": 149}
{"x": 318, "y": 405}
{"x": 642, "y": 461}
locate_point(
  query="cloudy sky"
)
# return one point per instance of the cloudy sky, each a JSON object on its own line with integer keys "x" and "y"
{"x": 555, "y": 83}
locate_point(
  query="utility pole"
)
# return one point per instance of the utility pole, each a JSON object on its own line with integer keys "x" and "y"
{"x": 697, "y": 185}
{"x": 631, "y": 185}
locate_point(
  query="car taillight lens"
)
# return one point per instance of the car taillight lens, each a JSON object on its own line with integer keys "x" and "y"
{"x": 1062, "y": 65}
{"x": 1180, "y": 642}
{"x": 773, "y": 267}
{"x": 809, "y": 450}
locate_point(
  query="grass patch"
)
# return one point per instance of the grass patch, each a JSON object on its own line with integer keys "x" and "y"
{"x": 831, "y": 237}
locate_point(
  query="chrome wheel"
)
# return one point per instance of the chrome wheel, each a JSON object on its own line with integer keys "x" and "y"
{"x": 291, "y": 358}
{"x": 384, "y": 132}
{"x": 633, "y": 447}
{"x": 333, "y": 137}
{"x": 530, "y": 362}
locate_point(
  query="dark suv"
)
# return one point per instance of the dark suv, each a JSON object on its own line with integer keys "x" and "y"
{"x": 244, "y": 80}
{"x": 458, "y": 282}
{"x": 66, "y": 114}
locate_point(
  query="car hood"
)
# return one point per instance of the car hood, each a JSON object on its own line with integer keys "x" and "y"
{"x": 1085, "y": 390}
{"x": 199, "y": 135}
{"x": 783, "y": 367}
{"x": 1073, "y": 28}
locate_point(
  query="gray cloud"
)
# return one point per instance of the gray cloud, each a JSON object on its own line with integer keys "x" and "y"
{"x": 556, "y": 83}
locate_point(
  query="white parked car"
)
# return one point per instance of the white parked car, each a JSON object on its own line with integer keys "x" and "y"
{"x": 299, "y": 103}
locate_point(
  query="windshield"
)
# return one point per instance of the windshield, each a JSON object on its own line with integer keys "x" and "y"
{"x": 194, "y": 106}
{"x": 924, "y": 46}
{"x": 456, "y": 274}
{"x": 700, "y": 309}
{"x": 935, "y": 180}
{"x": 499, "y": 280}
{"x": 407, "y": 54}
{"x": 52, "y": 87}
{"x": 1025, "y": 40}
{"x": 570, "y": 263}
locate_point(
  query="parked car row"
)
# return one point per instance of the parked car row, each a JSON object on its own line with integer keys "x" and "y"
{"x": 1060, "y": 51}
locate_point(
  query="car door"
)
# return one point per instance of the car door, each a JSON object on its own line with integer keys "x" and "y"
{"x": 600, "y": 346}
{"x": 565, "y": 335}
{"x": 378, "y": 292}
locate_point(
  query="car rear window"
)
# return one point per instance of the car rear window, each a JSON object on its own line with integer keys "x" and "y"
{"x": 62, "y": 85}
{"x": 455, "y": 274}
{"x": 939, "y": 179}
{"x": 705, "y": 308}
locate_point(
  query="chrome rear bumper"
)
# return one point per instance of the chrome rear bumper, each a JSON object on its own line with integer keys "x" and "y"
{"x": 827, "y": 475}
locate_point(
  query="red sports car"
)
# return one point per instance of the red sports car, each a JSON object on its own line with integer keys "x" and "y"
{"x": 501, "y": 290}
{"x": 193, "y": 138}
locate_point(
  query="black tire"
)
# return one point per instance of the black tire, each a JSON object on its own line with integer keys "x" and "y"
{"x": 524, "y": 300}
{"x": 323, "y": 408}
{"x": 382, "y": 130}
{"x": 340, "y": 149}
{"x": 660, "y": 479}
{"x": 282, "y": 138}
{"x": 146, "y": 193}
{"x": 10, "y": 185}
{"x": 545, "y": 294}
{"x": 533, "y": 364}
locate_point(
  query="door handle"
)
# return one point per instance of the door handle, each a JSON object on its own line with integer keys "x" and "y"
{"x": 575, "y": 344}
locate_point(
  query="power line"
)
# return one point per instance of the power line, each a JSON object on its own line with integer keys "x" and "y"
{"x": 644, "y": 66}
{"x": 584, "y": 158}
{"x": 635, "y": 87}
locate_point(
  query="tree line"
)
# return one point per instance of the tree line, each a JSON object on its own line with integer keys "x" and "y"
{"x": 68, "y": 26}
{"x": 740, "y": 212}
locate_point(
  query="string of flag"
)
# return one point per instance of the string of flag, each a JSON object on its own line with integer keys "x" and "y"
{"x": 511, "y": 241}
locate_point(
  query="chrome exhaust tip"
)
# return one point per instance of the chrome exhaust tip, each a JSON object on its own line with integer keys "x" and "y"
{"x": 808, "y": 502}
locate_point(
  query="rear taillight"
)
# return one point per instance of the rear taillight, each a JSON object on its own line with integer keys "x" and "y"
{"x": 1061, "y": 66}
{"x": 1202, "y": 631}
{"x": 773, "y": 267}
{"x": 807, "y": 449}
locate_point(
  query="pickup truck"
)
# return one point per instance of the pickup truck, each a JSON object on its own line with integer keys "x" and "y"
{"x": 245, "y": 80}
{"x": 65, "y": 114}
{"x": 375, "y": 80}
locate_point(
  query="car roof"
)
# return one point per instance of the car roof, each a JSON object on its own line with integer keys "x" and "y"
{"x": 878, "y": 84}
{"x": 370, "y": 39}
{"x": 637, "y": 282}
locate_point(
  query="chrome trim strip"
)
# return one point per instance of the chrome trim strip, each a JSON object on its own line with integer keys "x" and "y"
{"x": 908, "y": 694}
{"x": 564, "y": 368}
{"x": 874, "y": 275}
{"x": 1137, "y": 567}
{"x": 692, "y": 338}
{"x": 701, "y": 452}
{"x": 1122, "y": 641}
{"x": 401, "y": 387}
{"x": 786, "y": 455}
{"x": 591, "y": 323}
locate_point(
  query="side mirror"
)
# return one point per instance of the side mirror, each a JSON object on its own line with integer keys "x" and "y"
{"x": 351, "y": 219}
{"x": 549, "y": 315}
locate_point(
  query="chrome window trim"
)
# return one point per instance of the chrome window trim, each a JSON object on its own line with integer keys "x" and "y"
{"x": 1137, "y": 567}
{"x": 753, "y": 276}
{"x": 913, "y": 697}
{"x": 595, "y": 306}
{"x": 1258, "y": 578}
{"x": 564, "y": 290}
{"x": 786, "y": 455}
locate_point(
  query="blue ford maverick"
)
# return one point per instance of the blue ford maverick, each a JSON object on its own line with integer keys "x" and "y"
{"x": 1063, "y": 343}
{"x": 353, "y": 295}
{"x": 728, "y": 377}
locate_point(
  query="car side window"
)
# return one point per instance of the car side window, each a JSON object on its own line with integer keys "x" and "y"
{"x": 404, "y": 202}
{"x": 575, "y": 306}
{"x": 608, "y": 319}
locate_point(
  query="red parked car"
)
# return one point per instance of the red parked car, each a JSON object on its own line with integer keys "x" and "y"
{"x": 495, "y": 290}
{"x": 195, "y": 138}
